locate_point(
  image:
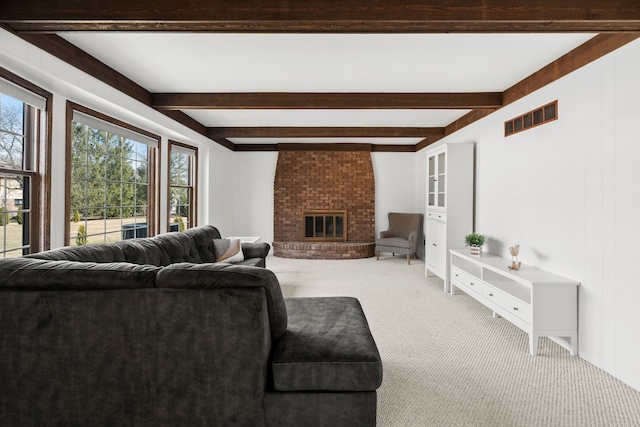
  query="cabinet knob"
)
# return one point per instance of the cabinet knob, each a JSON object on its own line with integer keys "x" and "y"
{"x": 456, "y": 275}
{"x": 490, "y": 295}
{"x": 515, "y": 308}
{"x": 472, "y": 284}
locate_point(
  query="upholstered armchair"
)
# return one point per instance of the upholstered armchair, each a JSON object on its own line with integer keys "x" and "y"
{"x": 402, "y": 236}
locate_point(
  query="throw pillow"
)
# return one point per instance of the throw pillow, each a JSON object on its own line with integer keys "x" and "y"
{"x": 227, "y": 250}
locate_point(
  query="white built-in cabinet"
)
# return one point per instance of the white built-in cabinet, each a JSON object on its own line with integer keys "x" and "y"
{"x": 449, "y": 211}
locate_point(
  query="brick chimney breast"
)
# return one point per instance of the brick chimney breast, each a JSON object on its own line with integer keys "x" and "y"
{"x": 336, "y": 180}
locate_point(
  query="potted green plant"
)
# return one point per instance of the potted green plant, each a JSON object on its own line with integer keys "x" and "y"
{"x": 475, "y": 242}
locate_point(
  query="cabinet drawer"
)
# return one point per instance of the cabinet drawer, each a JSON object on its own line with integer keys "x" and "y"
{"x": 466, "y": 280}
{"x": 508, "y": 303}
{"x": 437, "y": 216}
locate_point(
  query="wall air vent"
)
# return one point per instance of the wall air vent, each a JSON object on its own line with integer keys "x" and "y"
{"x": 532, "y": 119}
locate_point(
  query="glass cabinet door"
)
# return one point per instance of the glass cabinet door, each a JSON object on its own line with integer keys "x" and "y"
{"x": 431, "y": 196}
{"x": 442, "y": 176}
{"x": 437, "y": 179}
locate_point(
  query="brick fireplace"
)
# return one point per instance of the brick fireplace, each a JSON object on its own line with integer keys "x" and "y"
{"x": 324, "y": 181}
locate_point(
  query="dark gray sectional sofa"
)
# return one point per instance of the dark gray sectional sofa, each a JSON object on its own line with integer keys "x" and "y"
{"x": 152, "y": 332}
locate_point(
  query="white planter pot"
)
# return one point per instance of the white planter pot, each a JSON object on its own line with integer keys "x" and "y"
{"x": 475, "y": 250}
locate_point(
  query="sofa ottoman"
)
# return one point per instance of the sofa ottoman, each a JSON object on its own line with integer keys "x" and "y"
{"x": 326, "y": 361}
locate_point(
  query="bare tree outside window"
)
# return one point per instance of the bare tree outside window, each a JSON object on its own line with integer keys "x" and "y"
{"x": 182, "y": 186}
{"x": 16, "y": 178}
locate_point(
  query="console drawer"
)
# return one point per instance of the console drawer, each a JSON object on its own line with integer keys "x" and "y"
{"x": 508, "y": 303}
{"x": 466, "y": 280}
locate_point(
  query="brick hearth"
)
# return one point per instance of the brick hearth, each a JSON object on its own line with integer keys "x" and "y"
{"x": 324, "y": 250}
{"x": 307, "y": 180}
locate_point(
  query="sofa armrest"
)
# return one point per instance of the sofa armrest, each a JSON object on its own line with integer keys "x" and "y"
{"x": 255, "y": 250}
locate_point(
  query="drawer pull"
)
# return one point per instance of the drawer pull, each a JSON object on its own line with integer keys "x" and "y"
{"x": 457, "y": 275}
{"x": 490, "y": 295}
{"x": 515, "y": 308}
{"x": 472, "y": 284}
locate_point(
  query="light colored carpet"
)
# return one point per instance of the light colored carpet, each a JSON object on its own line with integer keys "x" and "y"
{"x": 448, "y": 362}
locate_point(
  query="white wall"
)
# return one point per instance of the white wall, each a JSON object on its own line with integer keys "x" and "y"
{"x": 253, "y": 181}
{"x": 220, "y": 195}
{"x": 395, "y": 183}
{"x": 568, "y": 192}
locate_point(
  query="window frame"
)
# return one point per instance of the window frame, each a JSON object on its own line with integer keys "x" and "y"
{"x": 192, "y": 217}
{"x": 38, "y": 125}
{"x": 153, "y": 212}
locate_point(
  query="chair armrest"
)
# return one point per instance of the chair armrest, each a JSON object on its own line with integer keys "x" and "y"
{"x": 255, "y": 250}
{"x": 385, "y": 234}
{"x": 412, "y": 237}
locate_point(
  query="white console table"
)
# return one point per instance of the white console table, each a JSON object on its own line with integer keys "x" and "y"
{"x": 540, "y": 303}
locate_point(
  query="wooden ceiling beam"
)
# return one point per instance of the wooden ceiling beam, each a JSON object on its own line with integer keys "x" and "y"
{"x": 319, "y": 101}
{"x": 584, "y": 54}
{"x": 322, "y": 132}
{"x": 344, "y": 16}
{"x": 380, "y": 148}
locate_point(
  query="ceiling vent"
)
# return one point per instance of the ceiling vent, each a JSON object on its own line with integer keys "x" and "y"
{"x": 532, "y": 119}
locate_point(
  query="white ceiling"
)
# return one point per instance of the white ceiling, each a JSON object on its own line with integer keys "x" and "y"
{"x": 223, "y": 62}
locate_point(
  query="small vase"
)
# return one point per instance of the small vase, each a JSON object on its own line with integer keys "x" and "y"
{"x": 475, "y": 250}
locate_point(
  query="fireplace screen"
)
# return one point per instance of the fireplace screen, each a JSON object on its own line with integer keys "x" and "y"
{"x": 324, "y": 226}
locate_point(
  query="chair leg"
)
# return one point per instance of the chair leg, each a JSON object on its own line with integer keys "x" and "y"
{"x": 408, "y": 259}
{"x": 378, "y": 256}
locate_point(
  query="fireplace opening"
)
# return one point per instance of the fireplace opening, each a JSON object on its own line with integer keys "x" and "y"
{"x": 324, "y": 226}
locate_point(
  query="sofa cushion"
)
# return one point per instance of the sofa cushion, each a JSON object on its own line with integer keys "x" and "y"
{"x": 227, "y": 250}
{"x": 203, "y": 239}
{"x": 29, "y": 273}
{"x": 143, "y": 251}
{"x": 229, "y": 276}
{"x": 327, "y": 347}
{"x": 252, "y": 262}
{"x": 100, "y": 252}
{"x": 179, "y": 247}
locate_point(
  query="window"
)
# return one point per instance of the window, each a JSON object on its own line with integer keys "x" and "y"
{"x": 183, "y": 161}
{"x": 112, "y": 180}
{"x": 23, "y": 227}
